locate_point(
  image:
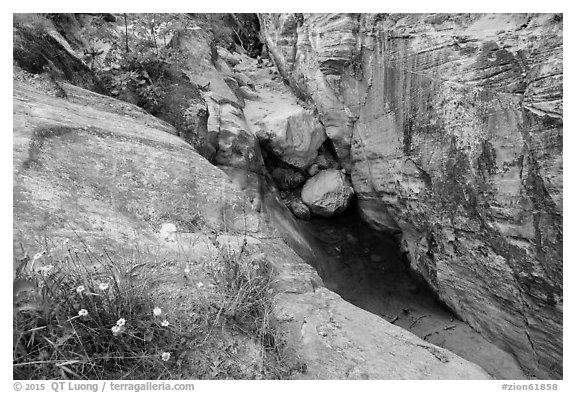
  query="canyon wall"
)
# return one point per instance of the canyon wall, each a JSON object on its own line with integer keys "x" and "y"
{"x": 451, "y": 128}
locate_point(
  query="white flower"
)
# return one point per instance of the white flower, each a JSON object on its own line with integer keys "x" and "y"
{"x": 37, "y": 256}
{"x": 121, "y": 322}
{"x": 166, "y": 356}
{"x": 80, "y": 289}
{"x": 165, "y": 323}
{"x": 83, "y": 312}
{"x": 46, "y": 269}
{"x": 116, "y": 329}
{"x": 199, "y": 285}
{"x": 103, "y": 286}
{"x": 187, "y": 270}
{"x": 157, "y": 311}
{"x": 66, "y": 241}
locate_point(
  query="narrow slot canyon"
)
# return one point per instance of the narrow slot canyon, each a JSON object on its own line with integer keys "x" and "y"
{"x": 393, "y": 182}
{"x": 367, "y": 269}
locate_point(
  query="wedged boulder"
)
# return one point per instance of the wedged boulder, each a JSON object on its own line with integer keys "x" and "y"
{"x": 313, "y": 170}
{"x": 287, "y": 178}
{"x": 327, "y": 193}
{"x": 294, "y": 137}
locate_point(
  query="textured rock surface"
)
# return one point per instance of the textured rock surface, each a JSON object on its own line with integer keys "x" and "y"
{"x": 292, "y": 199}
{"x": 287, "y": 178}
{"x": 452, "y": 128}
{"x": 235, "y": 144}
{"x": 327, "y": 193}
{"x": 294, "y": 137}
{"x": 98, "y": 169}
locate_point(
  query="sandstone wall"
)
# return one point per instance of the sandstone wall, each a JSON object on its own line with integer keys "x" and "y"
{"x": 451, "y": 126}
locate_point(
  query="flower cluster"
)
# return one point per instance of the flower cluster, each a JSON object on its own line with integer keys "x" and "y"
{"x": 157, "y": 312}
{"x": 119, "y": 327}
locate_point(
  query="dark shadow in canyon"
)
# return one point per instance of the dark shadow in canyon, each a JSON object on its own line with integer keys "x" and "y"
{"x": 366, "y": 268}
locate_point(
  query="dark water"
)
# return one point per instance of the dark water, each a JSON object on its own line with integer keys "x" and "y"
{"x": 366, "y": 268}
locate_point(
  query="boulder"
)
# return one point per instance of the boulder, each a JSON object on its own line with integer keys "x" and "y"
{"x": 294, "y": 137}
{"x": 287, "y": 178}
{"x": 293, "y": 201}
{"x": 327, "y": 193}
{"x": 313, "y": 170}
{"x": 299, "y": 209}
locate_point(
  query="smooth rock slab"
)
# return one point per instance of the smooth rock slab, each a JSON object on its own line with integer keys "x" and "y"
{"x": 327, "y": 193}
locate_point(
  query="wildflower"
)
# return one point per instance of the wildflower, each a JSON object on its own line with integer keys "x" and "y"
{"x": 116, "y": 330}
{"x": 165, "y": 323}
{"x": 38, "y": 255}
{"x": 121, "y": 322}
{"x": 83, "y": 312}
{"x": 166, "y": 356}
{"x": 199, "y": 285}
{"x": 80, "y": 289}
{"x": 187, "y": 270}
{"x": 157, "y": 311}
{"x": 46, "y": 269}
{"x": 103, "y": 286}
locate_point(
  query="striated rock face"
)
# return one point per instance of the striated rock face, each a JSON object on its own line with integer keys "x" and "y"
{"x": 451, "y": 126}
{"x": 327, "y": 193}
{"x": 235, "y": 144}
